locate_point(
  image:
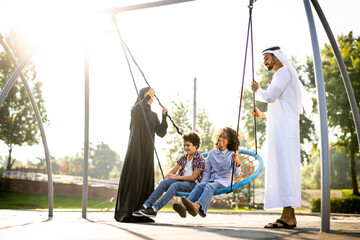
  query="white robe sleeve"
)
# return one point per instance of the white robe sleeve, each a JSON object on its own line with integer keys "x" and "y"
{"x": 280, "y": 81}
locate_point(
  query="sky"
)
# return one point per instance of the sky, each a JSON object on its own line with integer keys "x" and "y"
{"x": 203, "y": 39}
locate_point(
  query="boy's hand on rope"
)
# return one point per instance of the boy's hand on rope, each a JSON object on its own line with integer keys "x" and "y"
{"x": 235, "y": 157}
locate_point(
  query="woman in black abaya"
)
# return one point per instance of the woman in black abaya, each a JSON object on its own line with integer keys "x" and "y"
{"x": 137, "y": 176}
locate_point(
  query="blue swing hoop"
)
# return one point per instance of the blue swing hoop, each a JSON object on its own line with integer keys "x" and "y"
{"x": 251, "y": 168}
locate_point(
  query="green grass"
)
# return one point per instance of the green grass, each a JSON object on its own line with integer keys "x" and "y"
{"x": 17, "y": 200}
{"x": 346, "y": 192}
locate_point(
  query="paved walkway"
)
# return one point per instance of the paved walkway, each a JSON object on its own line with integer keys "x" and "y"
{"x": 18, "y": 224}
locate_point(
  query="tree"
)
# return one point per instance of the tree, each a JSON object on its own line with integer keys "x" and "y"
{"x": 248, "y": 105}
{"x": 338, "y": 108}
{"x": 76, "y": 165}
{"x": 65, "y": 168}
{"x": 2, "y": 162}
{"x": 102, "y": 160}
{"x": 340, "y": 177}
{"x": 181, "y": 114}
{"x": 310, "y": 172}
{"x": 18, "y": 124}
{"x": 55, "y": 164}
{"x": 206, "y": 132}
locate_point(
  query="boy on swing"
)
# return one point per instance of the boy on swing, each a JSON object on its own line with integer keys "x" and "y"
{"x": 189, "y": 169}
{"x": 218, "y": 173}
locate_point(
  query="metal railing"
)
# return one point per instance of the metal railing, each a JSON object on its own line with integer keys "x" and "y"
{"x": 66, "y": 179}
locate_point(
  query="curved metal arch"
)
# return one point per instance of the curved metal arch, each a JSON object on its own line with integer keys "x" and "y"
{"x": 3, "y": 95}
{"x": 325, "y": 168}
{"x": 324, "y": 138}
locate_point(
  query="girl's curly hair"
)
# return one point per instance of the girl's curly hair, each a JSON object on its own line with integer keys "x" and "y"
{"x": 233, "y": 138}
{"x": 192, "y": 137}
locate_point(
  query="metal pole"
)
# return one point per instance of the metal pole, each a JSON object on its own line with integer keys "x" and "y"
{"x": 342, "y": 68}
{"x": 15, "y": 75}
{"x": 86, "y": 134}
{"x": 142, "y": 6}
{"x": 40, "y": 123}
{"x": 194, "y": 112}
{"x": 324, "y": 142}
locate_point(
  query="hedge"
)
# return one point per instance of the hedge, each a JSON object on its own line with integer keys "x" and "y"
{"x": 350, "y": 204}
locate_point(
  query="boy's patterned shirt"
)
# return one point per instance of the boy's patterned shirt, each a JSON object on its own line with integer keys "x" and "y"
{"x": 198, "y": 163}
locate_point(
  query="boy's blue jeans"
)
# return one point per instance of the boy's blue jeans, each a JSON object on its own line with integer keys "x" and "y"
{"x": 171, "y": 187}
{"x": 202, "y": 194}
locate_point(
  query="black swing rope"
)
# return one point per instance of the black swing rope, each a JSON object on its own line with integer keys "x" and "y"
{"x": 137, "y": 92}
{"x": 249, "y": 33}
{"x": 142, "y": 73}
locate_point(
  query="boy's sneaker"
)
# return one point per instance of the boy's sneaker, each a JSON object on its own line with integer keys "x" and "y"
{"x": 137, "y": 212}
{"x": 148, "y": 212}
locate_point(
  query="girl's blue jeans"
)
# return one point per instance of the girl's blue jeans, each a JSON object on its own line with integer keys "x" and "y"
{"x": 202, "y": 194}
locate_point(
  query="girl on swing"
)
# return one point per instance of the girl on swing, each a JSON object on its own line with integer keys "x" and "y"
{"x": 218, "y": 173}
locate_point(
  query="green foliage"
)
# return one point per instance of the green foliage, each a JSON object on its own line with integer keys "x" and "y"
{"x": 55, "y": 164}
{"x": 340, "y": 177}
{"x": 72, "y": 165}
{"x": 310, "y": 173}
{"x": 206, "y": 131}
{"x": 18, "y": 200}
{"x": 2, "y": 162}
{"x": 248, "y": 106}
{"x": 18, "y": 124}
{"x": 348, "y": 204}
{"x": 338, "y": 108}
{"x": 103, "y": 161}
{"x": 181, "y": 115}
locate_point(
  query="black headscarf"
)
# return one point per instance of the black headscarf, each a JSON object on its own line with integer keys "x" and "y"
{"x": 141, "y": 98}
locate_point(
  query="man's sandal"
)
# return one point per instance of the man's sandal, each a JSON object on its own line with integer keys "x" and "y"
{"x": 276, "y": 225}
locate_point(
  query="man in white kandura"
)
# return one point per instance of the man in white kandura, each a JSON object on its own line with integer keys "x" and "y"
{"x": 286, "y": 98}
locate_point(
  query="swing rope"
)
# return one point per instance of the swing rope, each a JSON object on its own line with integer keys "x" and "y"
{"x": 251, "y": 163}
{"x": 142, "y": 73}
{"x": 249, "y": 168}
{"x": 249, "y": 33}
{"x": 137, "y": 92}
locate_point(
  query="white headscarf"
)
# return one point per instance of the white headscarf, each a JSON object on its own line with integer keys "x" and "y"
{"x": 303, "y": 99}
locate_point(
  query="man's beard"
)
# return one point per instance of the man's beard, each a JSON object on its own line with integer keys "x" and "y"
{"x": 271, "y": 65}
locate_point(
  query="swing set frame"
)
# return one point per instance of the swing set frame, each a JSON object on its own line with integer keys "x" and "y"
{"x": 321, "y": 97}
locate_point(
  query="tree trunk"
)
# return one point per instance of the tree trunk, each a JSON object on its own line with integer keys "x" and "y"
{"x": 9, "y": 163}
{"x": 353, "y": 175}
